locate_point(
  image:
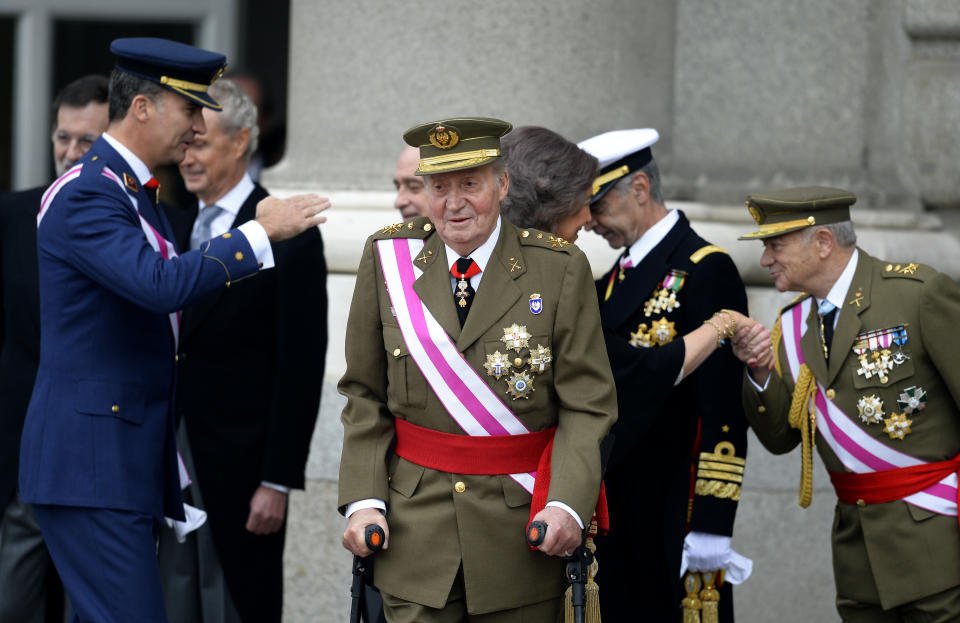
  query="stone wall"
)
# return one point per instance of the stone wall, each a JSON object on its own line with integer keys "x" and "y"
{"x": 747, "y": 95}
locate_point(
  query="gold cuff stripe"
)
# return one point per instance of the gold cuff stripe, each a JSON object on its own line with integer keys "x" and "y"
{"x": 722, "y": 458}
{"x": 725, "y": 476}
{"x": 465, "y": 155}
{"x": 723, "y": 467}
{"x": 183, "y": 84}
{"x": 609, "y": 176}
{"x": 705, "y": 251}
{"x": 723, "y": 490}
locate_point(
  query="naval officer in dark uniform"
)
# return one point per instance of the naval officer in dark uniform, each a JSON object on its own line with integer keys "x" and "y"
{"x": 476, "y": 346}
{"x": 680, "y": 443}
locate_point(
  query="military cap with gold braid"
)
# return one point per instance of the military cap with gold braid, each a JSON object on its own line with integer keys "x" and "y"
{"x": 179, "y": 67}
{"x": 455, "y": 144}
{"x": 620, "y": 153}
{"x": 780, "y": 212}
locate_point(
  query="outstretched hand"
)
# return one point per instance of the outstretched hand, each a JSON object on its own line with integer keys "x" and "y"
{"x": 286, "y": 218}
{"x": 752, "y": 346}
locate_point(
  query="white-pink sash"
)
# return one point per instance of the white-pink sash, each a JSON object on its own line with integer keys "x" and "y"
{"x": 159, "y": 243}
{"x": 468, "y": 399}
{"x": 858, "y": 450}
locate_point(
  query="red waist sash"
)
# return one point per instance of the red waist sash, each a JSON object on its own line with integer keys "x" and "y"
{"x": 488, "y": 455}
{"x": 891, "y": 484}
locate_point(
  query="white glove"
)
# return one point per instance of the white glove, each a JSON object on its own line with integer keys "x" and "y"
{"x": 711, "y": 552}
{"x": 194, "y": 519}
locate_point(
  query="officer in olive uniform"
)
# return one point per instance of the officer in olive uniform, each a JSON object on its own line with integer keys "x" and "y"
{"x": 466, "y": 332}
{"x": 875, "y": 345}
{"x": 680, "y": 444}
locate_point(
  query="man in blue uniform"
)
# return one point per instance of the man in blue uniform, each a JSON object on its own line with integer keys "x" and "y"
{"x": 98, "y": 457}
{"x": 30, "y": 589}
{"x": 680, "y": 444}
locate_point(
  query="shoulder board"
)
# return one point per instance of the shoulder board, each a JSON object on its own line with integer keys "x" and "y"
{"x": 799, "y": 298}
{"x": 537, "y": 238}
{"x": 912, "y": 270}
{"x": 703, "y": 252}
{"x": 420, "y": 227}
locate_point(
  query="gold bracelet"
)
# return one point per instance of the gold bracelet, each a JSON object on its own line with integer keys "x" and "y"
{"x": 732, "y": 326}
{"x": 716, "y": 327}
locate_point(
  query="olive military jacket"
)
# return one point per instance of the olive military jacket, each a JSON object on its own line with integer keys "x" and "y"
{"x": 436, "y": 527}
{"x": 891, "y": 553}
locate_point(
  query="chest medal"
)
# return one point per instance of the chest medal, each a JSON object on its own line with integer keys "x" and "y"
{"x": 664, "y": 299}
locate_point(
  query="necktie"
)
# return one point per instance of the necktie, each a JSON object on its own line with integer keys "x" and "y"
{"x": 463, "y": 269}
{"x": 154, "y": 185}
{"x": 828, "y": 313}
{"x": 201, "y": 227}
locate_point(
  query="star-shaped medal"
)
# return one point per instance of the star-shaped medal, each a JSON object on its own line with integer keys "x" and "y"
{"x": 539, "y": 359}
{"x": 912, "y": 400}
{"x": 663, "y": 332}
{"x": 641, "y": 338}
{"x": 516, "y": 337}
{"x": 497, "y": 364}
{"x": 897, "y": 426}
{"x": 520, "y": 385}
{"x": 871, "y": 409}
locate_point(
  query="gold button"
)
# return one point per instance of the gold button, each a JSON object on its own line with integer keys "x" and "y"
{"x": 115, "y": 408}
{"x": 238, "y": 255}
{"x": 889, "y": 267}
{"x": 427, "y": 227}
{"x": 761, "y": 409}
{"x": 227, "y": 235}
{"x": 831, "y": 393}
{"x": 860, "y": 502}
{"x": 396, "y": 352}
{"x": 518, "y": 362}
{"x": 811, "y": 220}
{"x": 94, "y": 158}
{"x": 459, "y": 487}
{"x": 524, "y": 234}
{"x": 176, "y": 357}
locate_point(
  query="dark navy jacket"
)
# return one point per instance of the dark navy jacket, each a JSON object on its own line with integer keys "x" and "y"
{"x": 99, "y": 428}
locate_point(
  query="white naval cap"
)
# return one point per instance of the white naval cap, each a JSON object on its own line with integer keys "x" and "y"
{"x": 620, "y": 152}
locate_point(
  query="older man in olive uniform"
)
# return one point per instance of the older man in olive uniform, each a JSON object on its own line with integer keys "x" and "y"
{"x": 477, "y": 346}
{"x": 874, "y": 344}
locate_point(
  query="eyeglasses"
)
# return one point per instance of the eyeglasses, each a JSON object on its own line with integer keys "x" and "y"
{"x": 63, "y": 139}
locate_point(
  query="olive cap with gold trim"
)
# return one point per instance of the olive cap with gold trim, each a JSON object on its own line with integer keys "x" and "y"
{"x": 458, "y": 143}
{"x": 780, "y": 212}
{"x": 181, "y": 68}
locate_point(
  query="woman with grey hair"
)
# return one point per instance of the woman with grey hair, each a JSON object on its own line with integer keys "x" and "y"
{"x": 550, "y": 181}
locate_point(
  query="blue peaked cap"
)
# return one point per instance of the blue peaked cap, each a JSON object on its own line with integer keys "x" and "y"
{"x": 182, "y": 68}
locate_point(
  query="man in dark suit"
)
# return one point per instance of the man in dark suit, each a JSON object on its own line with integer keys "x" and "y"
{"x": 248, "y": 403}
{"x": 680, "y": 444}
{"x": 26, "y": 572}
{"x": 98, "y": 456}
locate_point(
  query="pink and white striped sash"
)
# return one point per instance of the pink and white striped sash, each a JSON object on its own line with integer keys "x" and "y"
{"x": 466, "y": 396}
{"x": 858, "y": 450}
{"x": 158, "y": 242}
